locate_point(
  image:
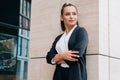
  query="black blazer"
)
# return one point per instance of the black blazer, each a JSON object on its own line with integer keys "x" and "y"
{"x": 78, "y": 42}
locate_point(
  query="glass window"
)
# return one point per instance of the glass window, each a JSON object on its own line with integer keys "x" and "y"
{"x": 8, "y": 51}
{"x": 24, "y": 47}
{"x": 25, "y": 70}
{"x": 23, "y": 40}
{"x": 14, "y": 49}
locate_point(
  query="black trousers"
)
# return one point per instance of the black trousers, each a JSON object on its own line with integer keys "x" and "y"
{"x": 61, "y": 73}
{"x": 64, "y": 73}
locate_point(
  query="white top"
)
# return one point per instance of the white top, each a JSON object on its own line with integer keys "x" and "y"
{"x": 62, "y": 44}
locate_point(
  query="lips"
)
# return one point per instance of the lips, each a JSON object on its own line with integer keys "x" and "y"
{"x": 71, "y": 20}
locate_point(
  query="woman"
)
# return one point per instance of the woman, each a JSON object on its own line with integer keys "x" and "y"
{"x": 68, "y": 51}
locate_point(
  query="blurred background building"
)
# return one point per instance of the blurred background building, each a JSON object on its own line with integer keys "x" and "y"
{"x": 14, "y": 39}
{"x": 28, "y": 28}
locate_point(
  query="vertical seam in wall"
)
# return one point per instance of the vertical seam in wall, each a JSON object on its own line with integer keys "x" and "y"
{"x": 108, "y": 39}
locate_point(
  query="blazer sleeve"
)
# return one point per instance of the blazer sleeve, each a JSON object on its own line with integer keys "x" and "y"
{"x": 52, "y": 52}
{"x": 81, "y": 43}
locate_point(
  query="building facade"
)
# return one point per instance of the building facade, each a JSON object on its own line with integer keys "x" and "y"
{"x": 28, "y": 28}
{"x": 101, "y": 20}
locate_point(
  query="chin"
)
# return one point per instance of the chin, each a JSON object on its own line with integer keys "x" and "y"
{"x": 72, "y": 24}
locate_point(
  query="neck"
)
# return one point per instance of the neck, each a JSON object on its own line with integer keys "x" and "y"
{"x": 68, "y": 28}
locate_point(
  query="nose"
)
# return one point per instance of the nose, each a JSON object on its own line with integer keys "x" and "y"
{"x": 71, "y": 15}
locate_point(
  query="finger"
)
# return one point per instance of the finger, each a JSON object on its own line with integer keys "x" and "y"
{"x": 74, "y": 55}
{"x": 61, "y": 62}
{"x": 75, "y": 52}
{"x": 73, "y": 59}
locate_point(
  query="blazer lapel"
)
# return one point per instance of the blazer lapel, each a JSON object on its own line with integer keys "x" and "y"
{"x": 72, "y": 39}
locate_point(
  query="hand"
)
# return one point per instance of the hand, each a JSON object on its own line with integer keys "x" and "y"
{"x": 70, "y": 55}
{"x": 61, "y": 62}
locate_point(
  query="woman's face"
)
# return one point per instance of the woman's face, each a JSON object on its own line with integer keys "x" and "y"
{"x": 69, "y": 16}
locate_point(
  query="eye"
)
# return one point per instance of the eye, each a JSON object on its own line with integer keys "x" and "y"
{"x": 74, "y": 13}
{"x": 67, "y": 14}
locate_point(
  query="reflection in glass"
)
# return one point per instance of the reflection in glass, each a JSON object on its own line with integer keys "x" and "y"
{"x": 25, "y": 70}
{"x": 8, "y": 48}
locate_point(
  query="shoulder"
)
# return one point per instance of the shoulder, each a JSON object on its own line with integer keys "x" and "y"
{"x": 58, "y": 37}
{"x": 80, "y": 30}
